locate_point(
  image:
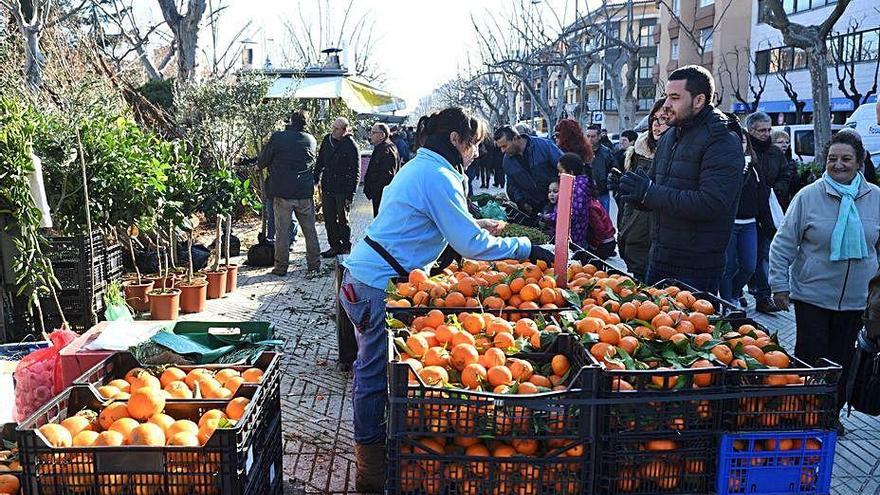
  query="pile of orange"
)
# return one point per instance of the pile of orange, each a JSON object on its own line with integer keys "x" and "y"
{"x": 514, "y": 472}
{"x": 473, "y": 351}
{"x": 769, "y": 451}
{"x": 665, "y": 470}
{"x": 498, "y": 285}
{"x": 175, "y": 383}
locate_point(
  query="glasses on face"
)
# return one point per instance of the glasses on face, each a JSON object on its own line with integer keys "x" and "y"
{"x": 782, "y": 142}
{"x": 376, "y": 132}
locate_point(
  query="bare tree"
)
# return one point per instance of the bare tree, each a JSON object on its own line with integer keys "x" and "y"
{"x": 750, "y": 93}
{"x": 332, "y": 27}
{"x": 487, "y": 94}
{"x": 791, "y": 91}
{"x": 223, "y": 58}
{"x": 185, "y": 28}
{"x": 31, "y": 17}
{"x": 845, "y": 55}
{"x": 811, "y": 39}
{"x": 130, "y": 36}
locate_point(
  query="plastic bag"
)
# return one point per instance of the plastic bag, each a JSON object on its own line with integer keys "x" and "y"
{"x": 493, "y": 211}
{"x": 118, "y": 312}
{"x": 38, "y": 376}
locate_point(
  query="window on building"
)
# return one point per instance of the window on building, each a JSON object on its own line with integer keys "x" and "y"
{"x": 646, "y": 67}
{"x": 800, "y": 59}
{"x": 647, "y": 95}
{"x": 608, "y": 103}
{"x": 871, "y": 45}
{"x": 706, "y": 3}
{"x": 794, "y": 6}
{"x": 706, "y": 39}
{"x": 762, "y": 62}
{"x": 646, "y": 35}
{"x": 676, "y": 7}
{"x": 673, "y": 49}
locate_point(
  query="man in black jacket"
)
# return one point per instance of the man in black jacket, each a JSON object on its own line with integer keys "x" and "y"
{"x": 693, "y": 186}
{"x": 603, "y": 162}
{"x": 337, "y": 171}
{"x": 290, "y": 156}
{"x": 773, "y": 168}
{"x": 384, "y": 163}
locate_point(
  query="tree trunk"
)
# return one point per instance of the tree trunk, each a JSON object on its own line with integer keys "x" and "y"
{"x": 34, "y": 60}
{"x": 228, "y": 236}
{"x": 217, "y": 244}
{"x": 817, "y": 64}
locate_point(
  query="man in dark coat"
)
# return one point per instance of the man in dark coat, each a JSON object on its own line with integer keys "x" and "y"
{"x": 337, "y": 171}
{"x": 384, "y": 163}
{"x": 530, "y": 164}
{"x": 290, "y": 156}
{"x": 603, "y": 162}
{"x": 693, "y": 186}
{"x": 772, "y": 166}
{"x": 399, "y": 139}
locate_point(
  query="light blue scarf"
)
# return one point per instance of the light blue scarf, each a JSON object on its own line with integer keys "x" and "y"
{"x": 848, "y": 238}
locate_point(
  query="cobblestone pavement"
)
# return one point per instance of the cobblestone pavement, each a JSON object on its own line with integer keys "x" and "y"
{"x": 316, "y": 397}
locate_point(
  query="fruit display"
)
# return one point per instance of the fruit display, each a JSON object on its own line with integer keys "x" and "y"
{"x": 500, "y": 285}
{"x": 789, "y": 462}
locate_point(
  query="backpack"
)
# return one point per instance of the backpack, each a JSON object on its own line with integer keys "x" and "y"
{"x": 262, "y": 253}
{"x": 601, "y": 228}
{"x": 863, "y": 382}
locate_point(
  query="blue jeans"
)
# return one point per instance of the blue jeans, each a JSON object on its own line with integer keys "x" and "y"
{"x": 740, "y": 260}
{"x": 605, "y": 201}
{"x": 367, "y": 314}
{"x": 705, "y": 284}
{"x": 759, "y": 285}
{"x": 270, "y": 219}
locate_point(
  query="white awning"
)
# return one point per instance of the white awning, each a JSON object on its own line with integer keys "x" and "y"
{"x": 358, "y": 95}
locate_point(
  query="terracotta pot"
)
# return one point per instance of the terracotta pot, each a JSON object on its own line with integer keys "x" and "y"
{"x": 136, "y": 294}
{"x": 196, "y": 276}
{"x": 158, "y": 280}
{"x": 164, "y": 305}
{"x": 216, "y": 284}
{"x": 231, "y": 278}
{"x": 193, "y": 295}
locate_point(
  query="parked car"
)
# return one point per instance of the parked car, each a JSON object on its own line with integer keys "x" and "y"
{"x": 803, "y": 142}
{"x": 864, "y": 120}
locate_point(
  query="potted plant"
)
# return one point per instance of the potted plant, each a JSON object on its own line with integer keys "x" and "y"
{"x": 193, "y": 291}
{"x": 136, "y": 290}
{"x": 164, "y": 300}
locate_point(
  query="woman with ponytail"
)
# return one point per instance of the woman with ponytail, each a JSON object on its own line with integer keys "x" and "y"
{"x": 423, "y": 210}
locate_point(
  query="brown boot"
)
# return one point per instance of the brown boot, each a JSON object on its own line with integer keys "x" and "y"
{"x": 370, "y": 460}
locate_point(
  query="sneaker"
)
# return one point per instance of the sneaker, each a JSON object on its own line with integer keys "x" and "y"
{"x": 841, "y": 430}
{"x": 766, "y": 306}
{"x": 279, "y": 273}
{"x": 328, "y": 253}
{"x": 743, "y": 303}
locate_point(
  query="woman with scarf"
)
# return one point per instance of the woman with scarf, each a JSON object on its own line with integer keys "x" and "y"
{"x": 424, "y": 209}
{"x": 824, "y": 254}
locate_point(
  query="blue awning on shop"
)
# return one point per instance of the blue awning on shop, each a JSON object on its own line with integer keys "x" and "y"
{"x": 786, "y": 106}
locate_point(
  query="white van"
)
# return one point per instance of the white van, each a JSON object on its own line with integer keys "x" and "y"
{"x": 803, "y": 142}
{"x": 864, "y": 121}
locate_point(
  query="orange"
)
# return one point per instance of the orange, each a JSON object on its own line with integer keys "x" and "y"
{"x": 548, "y": 296}
{"x": 541, "y": 381}
{"x": 76, "y": 424}
{"x": 589, "y": 325}
{"x": 417, "y": 345}
{"x": 627, "y": 311}
{"x": 183, "y": 439}
{"x": 207, "y": 429}
{"x": 121, "y": 384}
{"x": 111, "y": 413}
{"x": 110, "y": 438}
{"x": 647, "y": 311}
{"x": 108, "y": 391}
{"x": 417, "y": 276}
{"x": 211, "y": 414}
{"x": 85, "y": 438}
{"x": 722, "y": 353}
{"x": 171, "y": 375}
{"x": 472, "y": 323}
{"x": 143, "y": 379}
{"x": 702, "y": 379}
{"x": 148, "y": 434}
{"x": 702, "y": 339}
{"x": 236, "y": 407}
{"x": 530, "y": 292}
{"x": 629, "y": 344}
{"x": 456, "y": 300}
{"x": 686, "y": 327}
{"x": 601, "y": 349}
{"x": 434, "y": 318}
{"x": 662, "y": 319}
{"x": 163, "y": 421}
{"x": 224, "y": 375}
{"x": 444, "y": 333}
{"x": 525, "y": 447}
{"x": 181, "y": 426}
{"x": 462, "y": 338}
{"x": 492, "y": 357}
{"x": 145, "y": 403}
{"x": 434, "y": 375}
{"x": 755, "y": 352}
{"x": 473, "y": 376}
{"x": 252, "y": 375}
{"x": 700, "y": 322}
{"x": 124, "y": 426}
{"x": 525, "y": 327}
{"x": 9, "y": 484}
{"x": 665, "y": 333}
{"x": 704, "y": 306}
{"x": 178, "y": 390}
{"x": 520, "y": 369}
{"x": 656, "y": 445}
{"x": 499, "y": 375}
{"x": 436, "y": 356}
{"x": 56, "y": 435}
{"x": 609, "y": 334}
{"x": 776, "y": 359}
{"x": 527, "y": 388}
{"x": 560, "y": 365}
{"x": 463, "y": 355}
{"x": 193, "y": 375}
{"x": 503, "y": 291}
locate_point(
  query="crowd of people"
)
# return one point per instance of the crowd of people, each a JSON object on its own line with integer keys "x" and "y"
{"x": 702, "y": 198}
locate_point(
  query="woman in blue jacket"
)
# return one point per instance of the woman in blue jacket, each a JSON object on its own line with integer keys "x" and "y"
{"x": 423, "y": 210}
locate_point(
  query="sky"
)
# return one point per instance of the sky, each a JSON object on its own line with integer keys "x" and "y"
{"x": 419, "y": 43}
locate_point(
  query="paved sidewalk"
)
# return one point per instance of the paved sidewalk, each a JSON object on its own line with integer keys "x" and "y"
{"x": 315, "y": 396}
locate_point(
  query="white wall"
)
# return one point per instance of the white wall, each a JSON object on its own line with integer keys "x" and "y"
{"x": 861, "y": 11}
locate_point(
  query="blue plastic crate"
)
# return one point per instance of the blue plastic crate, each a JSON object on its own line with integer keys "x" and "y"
{"x": 771, "y": 463}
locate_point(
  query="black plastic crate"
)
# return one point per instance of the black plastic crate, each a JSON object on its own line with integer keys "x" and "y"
{"x": 673, "y": 464}
{"x": 801, "y": 397}
{"x": 267, "y": 476}
{"x": 722, "y": 307}
{"x": 417, "y": 409}
{"x": 118, "y": 364}
{"x": 416, "y": 468}
{"x": 223, "y": 465}
{"x": 585, "y": 257}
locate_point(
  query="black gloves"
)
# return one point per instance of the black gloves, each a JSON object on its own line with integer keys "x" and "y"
{"x": 634, "y": 187}
{"x": 613, "y": 181}
{"x": 539, "y": 253}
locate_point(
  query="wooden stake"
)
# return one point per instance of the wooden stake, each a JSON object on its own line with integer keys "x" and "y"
{"x": 563, "y": 228}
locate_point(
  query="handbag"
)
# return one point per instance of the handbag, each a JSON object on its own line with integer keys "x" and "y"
{"x": 863, "y": 383}
{"x": 776, "y": 210}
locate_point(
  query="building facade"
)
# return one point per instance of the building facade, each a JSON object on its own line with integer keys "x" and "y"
{"x": 854, "y": 48}
{"x": 713, "y": 34}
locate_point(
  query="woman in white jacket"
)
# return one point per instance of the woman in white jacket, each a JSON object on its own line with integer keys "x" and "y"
{"x": 824, "y": 254}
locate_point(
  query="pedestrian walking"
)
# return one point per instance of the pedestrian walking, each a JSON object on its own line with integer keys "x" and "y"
{"x": 693, "y": 187}
{"x": 634, "y": 224}
{"x": 530, "y": 167}
{"x": 399, "y": 139}
{"x": 384, "y": 163}
{"x": 424, "y": 211}
{"x": 337, "y": 171}
{"x": 782, "y": 141}
{"x": 627, "y": 139}
{"x": 603, "y": 162}
{"x": 569, "y": 136}
{"x": 290, "y": 157}
{"x": 825, "y": 254}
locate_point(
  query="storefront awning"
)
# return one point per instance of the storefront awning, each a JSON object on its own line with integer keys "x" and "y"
{"x": 786, "y": 106}
{"x": 357, "y": 94}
